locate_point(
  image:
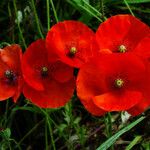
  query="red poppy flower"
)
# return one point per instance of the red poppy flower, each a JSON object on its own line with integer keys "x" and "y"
{"x": 72, "y": 42}
{"x": 113, "y": 82}
{"x": 48, "y": 84}
{"x": 11, "y": 80}
{"x": 139, "y": 108}
{"x": 123, "y": 33}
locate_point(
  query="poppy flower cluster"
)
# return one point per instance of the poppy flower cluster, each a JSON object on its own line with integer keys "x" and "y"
{"x": 118, "y": 78}
{"x": 113, "y": 64}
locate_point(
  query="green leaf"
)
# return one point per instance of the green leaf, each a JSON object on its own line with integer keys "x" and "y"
{"x": 134, "y": 142}
{"x": 112, "y": 140}
{"x": 128, "y": 1}
{"x": 137, "y": 1}
{"x": 26, "y": 108}
{"x": 5, "y": 133}
{"x": 86, "y": 7}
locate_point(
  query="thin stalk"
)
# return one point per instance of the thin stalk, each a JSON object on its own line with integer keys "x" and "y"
{"x": 102, "y": 9}
{"x": 91, "y": 13}
{"x": 28, "y": 133}
{"x": 54, "y": 10}
{"x": 6, "y": 111}
{"x": 108, "y": 124}
{"x": 51, "y": 133}
{"x": 95, "y": 10}
{"x": 126, "y": 3}
{"x": 110, "y": 127}
{"x": 37, "y": 19}
{"x": 20, "y": 31}
{"x": 48, "y": 120}
{"x": 10, "y": 16}
{"x": 15, "y": 143}
{"x": 46, "y": 136}
{"x": 48, "y": 15}
{"x": 4, "y": 44}
{"x": 9, "y": 145}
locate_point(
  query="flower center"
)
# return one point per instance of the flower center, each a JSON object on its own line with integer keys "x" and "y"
{"x": 10, "y": 77}
{"x": 73, "y": 51}
{"x": 122, "y": 49}
{"x": 44, "y": 71}
{"x": 9, "y": 74}
{"x": 119, "y": 83}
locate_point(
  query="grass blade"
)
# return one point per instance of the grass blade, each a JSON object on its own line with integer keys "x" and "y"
{"x": 134, "y": 142}
{"x": 112, "y": 140}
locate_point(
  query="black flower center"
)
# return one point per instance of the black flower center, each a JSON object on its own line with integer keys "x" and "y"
{"x": 10, "y": 77}
{"x": 9, "y": 74}
{"x": 44, "y": 71}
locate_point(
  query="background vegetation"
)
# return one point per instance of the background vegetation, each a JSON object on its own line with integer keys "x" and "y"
{"x": 24, "y": 126}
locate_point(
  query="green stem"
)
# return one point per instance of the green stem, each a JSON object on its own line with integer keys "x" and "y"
{"x": 15, "y": 143}
{"x": 108, "y": 124}
{"x": 51, "y": 132}
{"x": 4, "y": 44}
{"x": 9, "y": 145}
{"x": 91, "y": 13}
{"x": 37, "y": 19}
{"x": 94, "y": 10}
{"x": 102, "y": 9}
{"x": 20, "y": 31}
{"x": 46, "y": 136}
{"x": 48, "y": 15}
{"x": 28, "y": 133}
{"x": 6, "y": 112}
{"x": 54, "y": 10}
{"x": 48, "y": 120}
{"x": 126, "y": 3}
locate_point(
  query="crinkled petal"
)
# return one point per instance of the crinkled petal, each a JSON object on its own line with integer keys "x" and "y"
{"x": 92, "y": 108}
{"x": 12, "y": 56}
{"x": 142, "y": 49}
{"x": 139, "y": 108}
{"x": 34, "y": 57}
{"x": 61, "y": 72}
{"x": 6, "y": 90}
{"x": 121, "y": 30}
{"x": 116, "y": 101}
{"x": 64, "y": 35}
{"x": 56, "y": 95}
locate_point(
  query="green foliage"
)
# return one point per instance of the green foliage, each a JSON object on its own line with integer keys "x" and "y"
{"x": 23, "y": 125}
{"x": 112, "y": 140}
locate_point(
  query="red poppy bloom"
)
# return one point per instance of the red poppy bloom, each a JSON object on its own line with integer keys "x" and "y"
{"x": 48, "y": 84}
{"x": 113, "y": 82}
{"x": 123, "y": 33}
{"x": 72, "y": 42}
{"x": 11, "y": 80}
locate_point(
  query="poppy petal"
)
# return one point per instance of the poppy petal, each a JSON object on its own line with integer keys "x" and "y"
{"x": 56, "y": 94}
{"x": 33, "y": 58}
{"x": 6, "y": 91}
{"x": 138, "y": 108}
{"x": 18, "y": 89}
{"x": 62, "y": 72}
{"x": 121, "y": 30}
{"x": 12, "y": 55}
{"x": 92, "y": 108}
{"x": 96, "y": 81}
{"x": 116, "y": 101}
{"x": 142, "y": 49}
{"x": 65, "y": 35}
